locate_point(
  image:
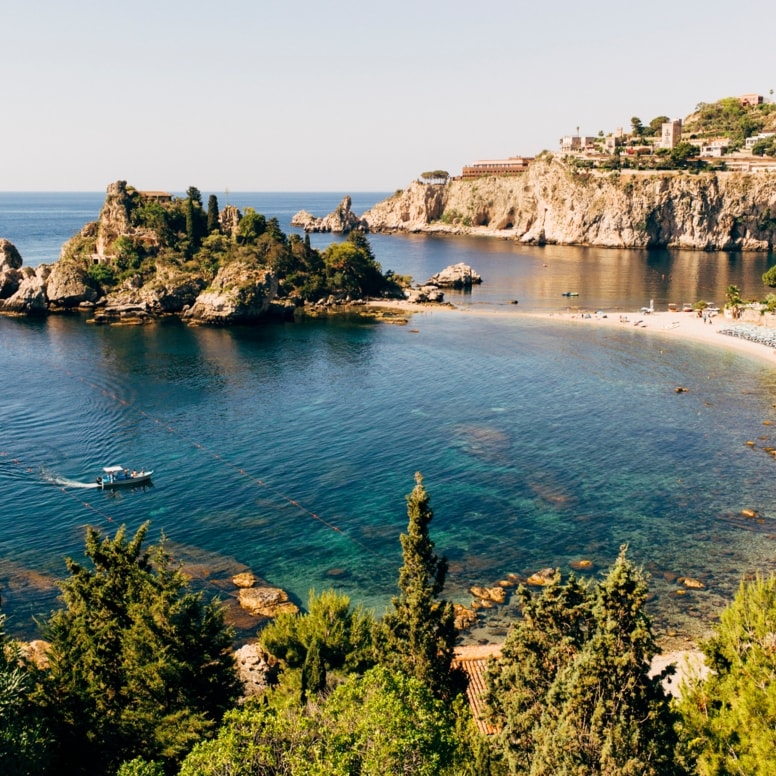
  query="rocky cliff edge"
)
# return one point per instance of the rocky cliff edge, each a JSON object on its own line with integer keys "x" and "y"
{"x": 552, "y": 203}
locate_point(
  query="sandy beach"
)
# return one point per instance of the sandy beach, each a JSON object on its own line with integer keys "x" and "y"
{"x": 669, "y": 325}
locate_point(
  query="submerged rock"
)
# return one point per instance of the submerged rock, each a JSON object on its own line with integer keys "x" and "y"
{"x": 266, "y": 601}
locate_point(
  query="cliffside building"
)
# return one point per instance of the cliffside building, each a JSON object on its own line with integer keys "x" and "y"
{"x": 574, "y": 144}
{"x": 750, "y": 100}
{"x": 671, "y": 134}
{"x": 511, "y": 166}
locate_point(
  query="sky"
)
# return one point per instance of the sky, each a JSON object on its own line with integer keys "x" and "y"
{"x": 309, "y": 95}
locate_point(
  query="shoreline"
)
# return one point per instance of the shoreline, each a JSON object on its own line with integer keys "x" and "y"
{"x": 681, "y": 326}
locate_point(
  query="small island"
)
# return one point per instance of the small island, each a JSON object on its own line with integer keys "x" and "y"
{"x": 151, "y": 255}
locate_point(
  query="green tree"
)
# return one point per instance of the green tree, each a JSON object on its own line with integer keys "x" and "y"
{"x": 351, "y": 267}
{"x": 572, "y": 694}
{"x": 604, "y": 714}
{"x": 636, "y": 126}
{"x": 376, "y": 724}
{"x": 330, "y": 636}
{"x": 550, "y": 634}
{"x": 213, "y": 224}
{"x": 769, "y": 277}
{"x": 729, "y": 717}
{"x": 140, "y": 665}
{"x": 251, "y": 226}
{"x": 681, "y": 153}
{"x": 24, "y": 740}
{"x": 656, "y": 125}
{"x": 418, "y": 635}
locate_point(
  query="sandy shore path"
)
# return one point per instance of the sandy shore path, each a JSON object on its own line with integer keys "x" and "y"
{"x": 670, "y": 325}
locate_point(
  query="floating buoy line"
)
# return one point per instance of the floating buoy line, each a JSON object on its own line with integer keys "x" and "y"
{"x": 70, "y": 489}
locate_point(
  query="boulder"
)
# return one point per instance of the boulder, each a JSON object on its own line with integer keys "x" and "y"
{"x": 10, "y": 258}
{"x": 266, "y": 601}
{"x": 456, "y": 276}
{"x": 464, "y": 618}
{"x": 257, "y": 669}
{"x": 68, "y": 286}
{"x": 244, "y": 579}
{"x": 169, "y": 291}
{"x": 424, "y": 294}
{"x": 30, "y": 298}
{"x": 240, "y": 293}
{"x": 541, "y": 578}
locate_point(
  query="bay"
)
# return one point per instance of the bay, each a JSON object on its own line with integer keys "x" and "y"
{"x": 289, "y": 448}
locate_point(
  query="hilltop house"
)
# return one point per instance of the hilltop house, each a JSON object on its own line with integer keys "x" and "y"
{"x": 510, "y": 166}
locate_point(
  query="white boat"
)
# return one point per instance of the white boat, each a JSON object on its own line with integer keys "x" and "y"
{"x": 118, "y": 477}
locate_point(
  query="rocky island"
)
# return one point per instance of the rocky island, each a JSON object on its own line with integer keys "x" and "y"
{"x": 151, "y": 255}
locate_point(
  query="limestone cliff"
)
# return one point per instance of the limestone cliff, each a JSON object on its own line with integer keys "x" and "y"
{"x": 551, "y": 203}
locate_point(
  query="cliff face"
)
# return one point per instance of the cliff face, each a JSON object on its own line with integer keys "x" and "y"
{"x": 552, "y": 204}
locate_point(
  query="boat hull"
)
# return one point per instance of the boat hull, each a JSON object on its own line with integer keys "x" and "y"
{"x": 125, "y": 482}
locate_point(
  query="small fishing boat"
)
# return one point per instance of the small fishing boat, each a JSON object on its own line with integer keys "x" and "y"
{"x": 118, "y": 477}
{"x": 570, "y": 293}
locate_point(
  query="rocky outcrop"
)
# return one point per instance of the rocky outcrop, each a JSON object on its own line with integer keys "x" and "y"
{"x": 68, "y": 286}
{"x": 10, "y": 258}
{"x": 30, "y": 297}
{"x": 455, "y": 276}
{"x": 257, "y": 669}
{"x": 551, "y": 203}
{"x": 266, "y": 601}
{"x": 341, "y": 220}
{"x": 239, "y": 293}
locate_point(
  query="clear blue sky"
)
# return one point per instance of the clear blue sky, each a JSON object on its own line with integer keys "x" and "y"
{"x": 308, "y": 95}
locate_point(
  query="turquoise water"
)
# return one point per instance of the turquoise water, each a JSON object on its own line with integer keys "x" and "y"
{"x": 288, "y": 449}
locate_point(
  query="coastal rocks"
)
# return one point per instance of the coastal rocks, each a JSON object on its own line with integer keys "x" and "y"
{"x": 10, "y": 266}
{"x": 341, "y": 220}
{"x": 257, "y": 669}
{"x": 552, "y": 203}
{"x": 464, "y": 618}
{"x": 244, "y": 579}
{"x": 68, "y": 286}
{"x": 497, "y": 595}
{"x": 169, "y": 292}
{"x": 541, "y": 578}
{"x": 30, "y": 297}
{"x": 424, "y": 295}
{"x": 10, "y": 258}
{"x": 239, "y": 293}
{"x": 455, "y": 276}
{"x": 266, "y": 601}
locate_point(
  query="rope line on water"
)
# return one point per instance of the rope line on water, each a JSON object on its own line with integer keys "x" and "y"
{"x": 217, "y": 456}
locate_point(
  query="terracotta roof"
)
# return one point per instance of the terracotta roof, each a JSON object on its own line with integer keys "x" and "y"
{"x": 473, "y": 660}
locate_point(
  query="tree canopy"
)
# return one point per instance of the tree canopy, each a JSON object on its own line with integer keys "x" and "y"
{"x": 139, "y": 663}
{"x": 418, "y": 635}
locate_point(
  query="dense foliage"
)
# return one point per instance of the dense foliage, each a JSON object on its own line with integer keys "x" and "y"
{"x": 182, "y": 236}
{"x": 142, "y": 681}
{"x": 730, "y": 716}
{"x": 139, "y": 664}
{"x": 572, "y": 692}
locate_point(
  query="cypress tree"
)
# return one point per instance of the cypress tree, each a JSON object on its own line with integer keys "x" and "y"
{"x": 213, "y": 224}
{"x": 418, "y": 636}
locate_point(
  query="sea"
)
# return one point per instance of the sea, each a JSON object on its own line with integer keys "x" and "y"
{"x": 288, "y": 449}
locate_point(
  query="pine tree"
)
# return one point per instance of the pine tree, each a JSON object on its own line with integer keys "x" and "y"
{"x": 418, "y": 636}
{"x": 572, "y": 694}
{"x": 604, "y": 714}
{"x": 140, "y": 666}
{"x": 554, "y": 627}
{"x": 729, "y": 717}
